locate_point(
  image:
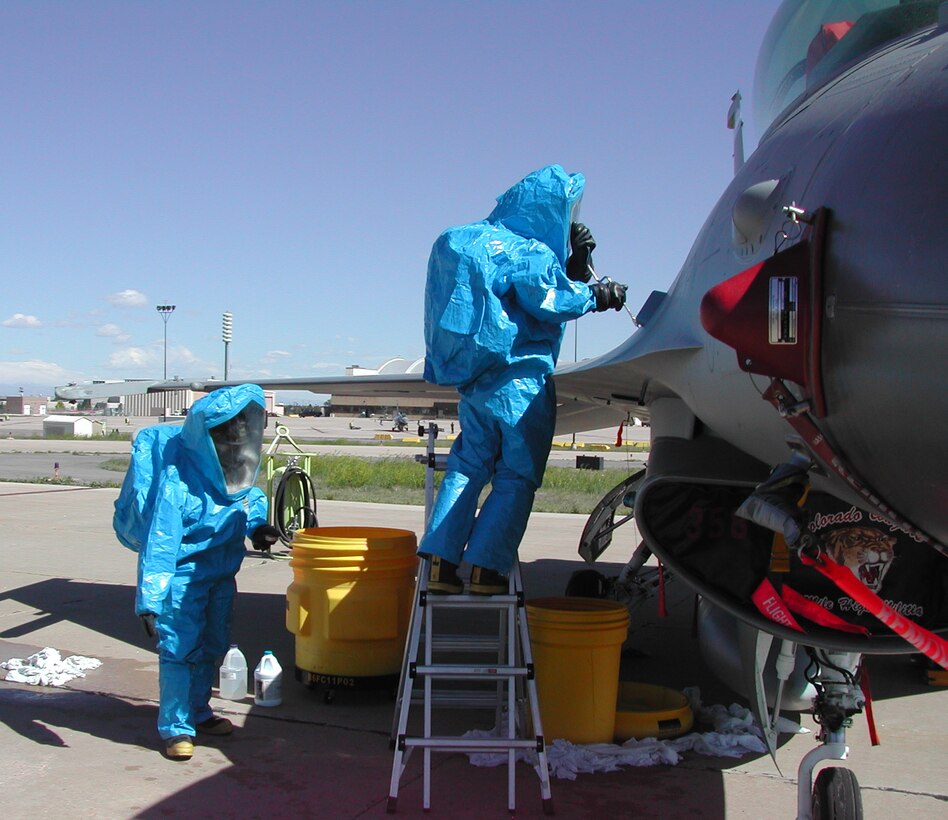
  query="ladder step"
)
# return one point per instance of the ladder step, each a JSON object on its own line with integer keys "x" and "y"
{"x": 465, "y": 643}
{"x": 485, "y": 699}
{"x": 458, "y": 671}
{"x": 471, "y": 744}
{"x": 468, "y": 601}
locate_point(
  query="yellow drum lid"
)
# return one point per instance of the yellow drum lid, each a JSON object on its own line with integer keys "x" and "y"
{"x": 644, "y": 710}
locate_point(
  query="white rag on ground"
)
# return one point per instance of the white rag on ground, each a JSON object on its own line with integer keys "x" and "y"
{"x": 48, "y": 668}
{"x": 735, "y": 734}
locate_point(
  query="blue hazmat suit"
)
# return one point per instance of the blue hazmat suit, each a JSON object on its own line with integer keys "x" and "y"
{"x": 206, "y": 504}
{"x": 496, "y": 300}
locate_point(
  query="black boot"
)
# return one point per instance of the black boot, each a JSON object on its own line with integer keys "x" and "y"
{"x": 486, "y": 581}
{"x": 443, "y": 577}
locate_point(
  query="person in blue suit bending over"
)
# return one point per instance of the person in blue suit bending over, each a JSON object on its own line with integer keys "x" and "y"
{"x": 205, "y": 505}
{"x": 497, "y": 296}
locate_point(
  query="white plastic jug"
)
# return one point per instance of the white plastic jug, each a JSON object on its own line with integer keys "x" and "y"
{"x": 268, "y": 681}
{"x": 233, "y": 679}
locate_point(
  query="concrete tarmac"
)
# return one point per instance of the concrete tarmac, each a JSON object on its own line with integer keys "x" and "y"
{"x": 377, "y": 430}
{"x": 90, "y": 749}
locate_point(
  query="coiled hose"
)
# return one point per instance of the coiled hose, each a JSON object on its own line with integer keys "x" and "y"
{"x": 294, "y": 503}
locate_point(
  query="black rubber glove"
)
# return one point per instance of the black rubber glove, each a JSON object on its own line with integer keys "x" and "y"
{"x": 608, "y": 295}
{"x": 148, "y": 623}
{"x": 264, "y": 537}
{"x": 581, "y": 243}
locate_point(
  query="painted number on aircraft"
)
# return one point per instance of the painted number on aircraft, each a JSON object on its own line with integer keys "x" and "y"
{"x": 783, "y": 310}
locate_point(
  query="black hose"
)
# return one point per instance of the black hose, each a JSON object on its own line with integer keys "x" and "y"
{"x": 306, "y": 513}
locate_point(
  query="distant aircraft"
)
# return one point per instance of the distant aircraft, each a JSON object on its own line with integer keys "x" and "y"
{"x": 399, "y": 422}
{"x": 806, "y": 332}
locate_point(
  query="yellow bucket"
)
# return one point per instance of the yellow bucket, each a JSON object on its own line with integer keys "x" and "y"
{"x": 576, "y": 651}
{"x": 350, "y": 602}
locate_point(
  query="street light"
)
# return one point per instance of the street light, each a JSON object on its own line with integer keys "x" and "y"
{"x": 165, "y": 312}
{"x": 227, "y": 334}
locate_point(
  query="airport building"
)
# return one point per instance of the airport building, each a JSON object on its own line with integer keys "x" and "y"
{"x": 78, "y": 426}
{"x": 170, "y": 402}
{"x": 173, "y": 402}
{"x": 343, "y": 405}
{"x": 157, "y": 405}
{"x": 26, "y": 405}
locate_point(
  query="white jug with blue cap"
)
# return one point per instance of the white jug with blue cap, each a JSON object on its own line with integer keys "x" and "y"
{"x": 268, "y": 681}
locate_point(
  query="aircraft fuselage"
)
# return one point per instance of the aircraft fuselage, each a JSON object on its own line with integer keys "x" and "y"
{"x": 868, "y": 146}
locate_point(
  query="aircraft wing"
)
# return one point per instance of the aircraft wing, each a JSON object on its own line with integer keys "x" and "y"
{"x": 397, "y": 385}
{"x": 591, "y": 394}
{"x": 576, "y": 412}
{"x": 393, "y": 385}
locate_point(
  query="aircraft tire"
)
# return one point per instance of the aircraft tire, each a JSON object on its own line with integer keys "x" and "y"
{"x": 836, "y": 795}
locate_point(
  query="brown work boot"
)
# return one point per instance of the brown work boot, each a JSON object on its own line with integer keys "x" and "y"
{"x": 179, "y": 748}
{"x": 486, "y": 581}
{"x": 443, "y": 577}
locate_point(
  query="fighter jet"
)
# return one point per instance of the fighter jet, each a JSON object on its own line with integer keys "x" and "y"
{"x": 797, "y": 360}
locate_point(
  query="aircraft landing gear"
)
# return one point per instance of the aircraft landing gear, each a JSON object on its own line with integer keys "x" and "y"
{"x": 835, "y": 794}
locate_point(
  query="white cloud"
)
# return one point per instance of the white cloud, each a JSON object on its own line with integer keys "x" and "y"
{"x": 34, "y": 372}
{"x": 181, "y": 355}
{"x": 22, "y": 320}
{"x": 132, "y": 357}
{"x": 181, "y": 361}
{"x": 113, "y": 332}
{"x": 275, "y": 355}
{"x": 127, "y": 299}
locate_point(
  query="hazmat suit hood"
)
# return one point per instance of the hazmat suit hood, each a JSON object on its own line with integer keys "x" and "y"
{"x": 223, "y": 437}
{"x": 541, "y": 206}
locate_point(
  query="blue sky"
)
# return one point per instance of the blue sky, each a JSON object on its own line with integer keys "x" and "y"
{"x": 292, "y": 163}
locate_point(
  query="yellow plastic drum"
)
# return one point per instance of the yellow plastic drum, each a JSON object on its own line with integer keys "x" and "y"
{"x": 350, "y": 602}
{"x": 576, "y": 651}
{"x": 644, "y": 711}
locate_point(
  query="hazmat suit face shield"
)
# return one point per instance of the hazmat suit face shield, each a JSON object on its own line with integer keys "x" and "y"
{"x": 238, "y": 443}
{"x": 581, "y": 245}
{"x": 574, "y": 210}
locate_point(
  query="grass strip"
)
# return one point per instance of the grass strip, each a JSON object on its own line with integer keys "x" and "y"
{"x": 401, "y": 480}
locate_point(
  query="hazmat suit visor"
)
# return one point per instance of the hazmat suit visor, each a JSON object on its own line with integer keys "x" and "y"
{"x": 238, "y": 443}
{"x": 574, "y": 210}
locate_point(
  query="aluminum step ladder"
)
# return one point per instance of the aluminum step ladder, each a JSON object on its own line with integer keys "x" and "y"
{"x": 509, "y": 669}
{"x": 504, "y": 681}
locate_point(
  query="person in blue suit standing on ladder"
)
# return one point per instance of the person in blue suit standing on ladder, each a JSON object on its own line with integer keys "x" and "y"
{"x": 202, "y": 503}
{"x": 497, "y": 296}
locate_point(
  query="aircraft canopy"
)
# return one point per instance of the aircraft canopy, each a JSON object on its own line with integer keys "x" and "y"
{"x": 810, "y": 41}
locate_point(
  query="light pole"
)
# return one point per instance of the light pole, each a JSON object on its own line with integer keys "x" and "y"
{"x": 575, "y": 359}
{"x": 227, "y": 334}
{"x": 165, "y": 312}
